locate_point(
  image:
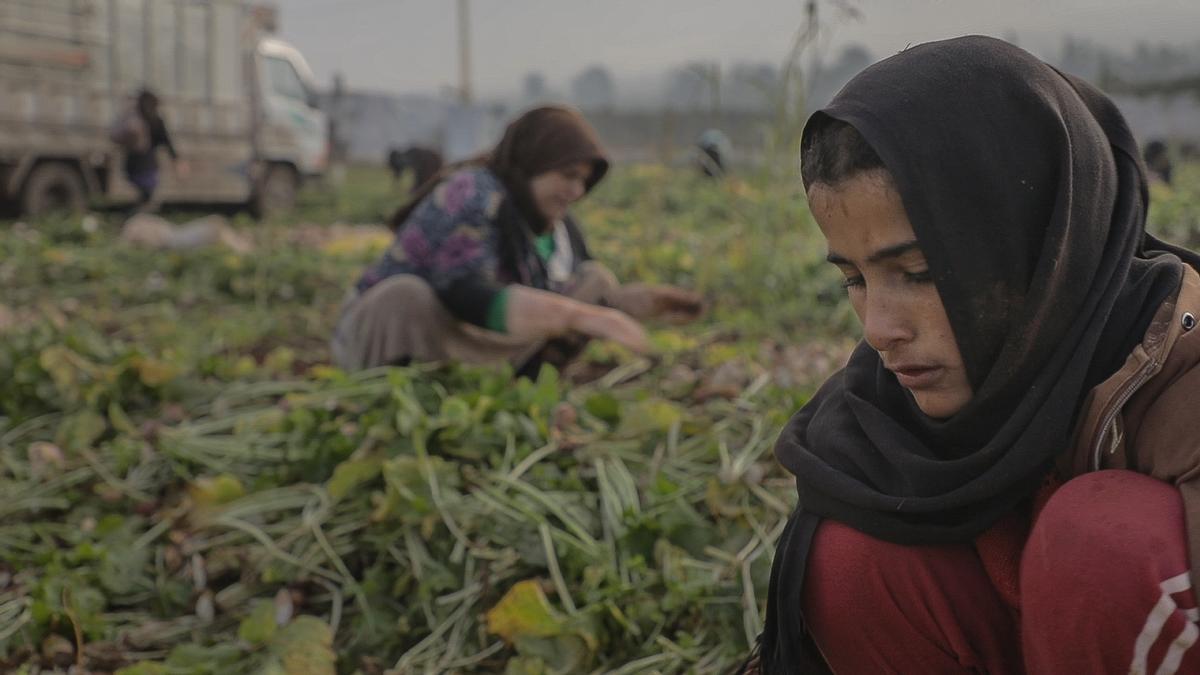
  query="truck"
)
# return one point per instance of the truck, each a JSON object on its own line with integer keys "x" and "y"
{"x": 240, "y": 104}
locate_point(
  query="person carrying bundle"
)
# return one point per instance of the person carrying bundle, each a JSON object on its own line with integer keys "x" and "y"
{"x": 139, "y": 131}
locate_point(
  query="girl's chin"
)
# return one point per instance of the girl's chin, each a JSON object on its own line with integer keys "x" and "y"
{"x": 938, "y": 407}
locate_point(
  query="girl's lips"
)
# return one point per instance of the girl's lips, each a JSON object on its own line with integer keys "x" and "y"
{"x": 918, "y": 377}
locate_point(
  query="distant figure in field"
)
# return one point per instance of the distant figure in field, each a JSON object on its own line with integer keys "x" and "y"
{"x": 1158, "y": 161}
{"x": 423, "y": 162}
{"x": 713, "y": 152}
{"x": 140, "y": 131}
{"x": 489, "y": 266}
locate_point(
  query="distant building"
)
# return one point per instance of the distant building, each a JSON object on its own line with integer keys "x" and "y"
{"x": 368, "y": 124}
{"x": 1157, "y": 87}
{"x": 1174, "y": 117}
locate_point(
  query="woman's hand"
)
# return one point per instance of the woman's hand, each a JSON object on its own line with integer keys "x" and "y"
{"x": 646, "y": 301}
{"x": 610, "y": 324}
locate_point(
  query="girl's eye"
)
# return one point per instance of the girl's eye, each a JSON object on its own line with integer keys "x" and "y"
{"x": 919, "y": 277}
{"x": 853, "y": 282}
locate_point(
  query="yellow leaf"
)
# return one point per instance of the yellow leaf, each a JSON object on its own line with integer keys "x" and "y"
{"x": 524, "y": 611}
{"x": 717, "y": 354}
{"x": 280, "y": 360}
{"x": 649, "y": 416}
{"x": 321, "y": 371}
{"x": 216, "y": 490}
{"x": 153, "y": 372}
{"x": 358, "y": 244}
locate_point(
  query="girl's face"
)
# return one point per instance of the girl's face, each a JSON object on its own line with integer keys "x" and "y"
{"x": 556, "y": 190}
{"x": 872, "y": 242}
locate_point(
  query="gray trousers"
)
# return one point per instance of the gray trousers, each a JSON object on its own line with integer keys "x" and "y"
{"x": 401, "y": 319}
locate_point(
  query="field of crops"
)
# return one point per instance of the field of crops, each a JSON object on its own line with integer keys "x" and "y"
{"x": 186, "y": 485}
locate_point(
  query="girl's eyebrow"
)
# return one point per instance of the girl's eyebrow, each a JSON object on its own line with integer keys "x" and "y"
{"x": 893, "y": 251}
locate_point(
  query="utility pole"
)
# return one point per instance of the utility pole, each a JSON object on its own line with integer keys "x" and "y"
{"x": 464, "y": 52}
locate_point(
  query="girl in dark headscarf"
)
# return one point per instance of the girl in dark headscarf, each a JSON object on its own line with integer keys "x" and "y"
{"x": 489, "y": 266}
{"x": 1020, "y": 330}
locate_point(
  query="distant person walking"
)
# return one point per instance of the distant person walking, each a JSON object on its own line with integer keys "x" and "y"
{"x": 488, "y": 266}
{"x": 140, "y": 131}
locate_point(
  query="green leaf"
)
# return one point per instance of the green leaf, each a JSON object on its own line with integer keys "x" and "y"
{"x": 525, "y": 665}
{"x": 605, "y": 406}
{"x": 305, "y": 647}
{"x": 80, "y": 430}
{"x": 455, "y": 414}
{"x": 259, "y": 627}
{"x": 546, "y": 392}
{"x": 272, "y": 666}
{"x": 408, "y": 493}
{"x": 144, "y": 668}
{"x": 119, "y": 420}
{"x": 561, "y": 654}
{"x": 352, "y": 473}
{"x": 123, "y": 564}
{"x": 204, "y": 660}
{"x": 67, "y": 369}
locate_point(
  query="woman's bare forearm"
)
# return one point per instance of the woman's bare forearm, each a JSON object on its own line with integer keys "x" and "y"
{"x": 534, "y": 314}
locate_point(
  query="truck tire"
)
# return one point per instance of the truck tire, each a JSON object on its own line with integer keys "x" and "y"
{"x": 276, "y": 194}
{"x": 53, "y": 187}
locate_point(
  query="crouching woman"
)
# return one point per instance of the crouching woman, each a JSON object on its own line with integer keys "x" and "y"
{"x": 488, "y": 266}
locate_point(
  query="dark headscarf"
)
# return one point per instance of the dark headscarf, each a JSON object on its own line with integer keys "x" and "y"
{"x": 1026, "y": 194}
{"x": 541, "y": 140}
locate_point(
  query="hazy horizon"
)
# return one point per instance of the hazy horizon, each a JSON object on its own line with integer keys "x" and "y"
{"x": 410, "y": 46}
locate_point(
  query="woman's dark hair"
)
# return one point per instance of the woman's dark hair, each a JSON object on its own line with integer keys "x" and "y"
{"x": 833, "y": 151}
{"x": 541, "y": 139}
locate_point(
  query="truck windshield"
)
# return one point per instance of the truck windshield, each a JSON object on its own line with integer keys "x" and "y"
{"x": 284, "y": 80}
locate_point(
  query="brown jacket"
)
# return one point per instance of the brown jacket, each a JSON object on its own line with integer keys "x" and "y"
{"x": 1145, "y": 417}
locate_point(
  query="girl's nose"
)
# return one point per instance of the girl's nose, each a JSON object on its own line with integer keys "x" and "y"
{"x": 886, "y": 324}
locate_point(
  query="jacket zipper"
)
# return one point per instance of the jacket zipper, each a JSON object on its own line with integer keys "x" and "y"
{"x": 1132, "y": 386}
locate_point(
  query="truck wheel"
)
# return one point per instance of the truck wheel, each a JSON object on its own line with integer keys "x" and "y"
{"x": 277, "y": 192}
{"x": 53, "y": 187}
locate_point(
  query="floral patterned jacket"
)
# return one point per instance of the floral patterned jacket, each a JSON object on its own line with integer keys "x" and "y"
{"x": 468, "y": 240}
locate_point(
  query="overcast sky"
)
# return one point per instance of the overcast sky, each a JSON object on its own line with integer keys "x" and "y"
{"x": 411, "y": 45}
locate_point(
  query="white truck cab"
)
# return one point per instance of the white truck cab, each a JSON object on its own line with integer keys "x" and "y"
{"x": 293, "y": 136}
{"x": 290, "y": 102}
